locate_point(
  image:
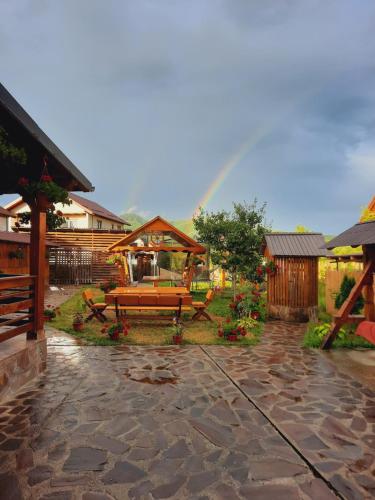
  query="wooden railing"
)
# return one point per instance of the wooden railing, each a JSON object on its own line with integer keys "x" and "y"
{"x": 16, "y": 306}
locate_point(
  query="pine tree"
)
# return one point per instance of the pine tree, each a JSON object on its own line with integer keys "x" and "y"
{"x": 345, "y": 289}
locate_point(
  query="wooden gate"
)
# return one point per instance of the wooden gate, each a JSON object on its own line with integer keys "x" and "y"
{"x": 70, "y": 266}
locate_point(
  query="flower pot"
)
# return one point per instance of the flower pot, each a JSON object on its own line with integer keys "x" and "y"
{"x": 78, "y": 327}
{"x": 220, "y": 334}
{"x": 115, "y": 336}
{"x": 47, "y": 318}
{"x": 232, "y": 337}
{"x": 177, "y": 339}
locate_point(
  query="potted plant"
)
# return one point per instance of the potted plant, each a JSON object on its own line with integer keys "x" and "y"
{"x": 50, "y": 312}
{"x": 78, "y": 322}
{"x": 107, "y": 286}
{"x": 114, "y": 330}
{"x": 177, "y": 331}
{"x": 230, "y": 330}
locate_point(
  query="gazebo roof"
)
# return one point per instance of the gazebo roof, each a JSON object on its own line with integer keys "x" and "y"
{"x": 155, "y": 236}
{"x": 362, "y": 233}
{"x": 295, "y": 244}
{"x": 24, "y": 132}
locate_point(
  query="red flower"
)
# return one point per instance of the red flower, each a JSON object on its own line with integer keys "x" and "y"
{"x": 46, "y": 178}
{"x": 255, "y": 315}
{"x": 227, "y": 320}
{"x": 59, "y": 213}
{"x": 259, "y": 271}
{"x": 23, "y": 181}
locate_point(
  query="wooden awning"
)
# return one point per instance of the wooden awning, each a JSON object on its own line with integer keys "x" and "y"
{"x": 157, "y": 235}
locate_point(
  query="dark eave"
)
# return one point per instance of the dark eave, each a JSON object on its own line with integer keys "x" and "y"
{"x": 26, "y": 133}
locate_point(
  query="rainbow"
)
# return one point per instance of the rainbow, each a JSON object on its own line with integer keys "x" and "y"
{"x": 229, "y": 165}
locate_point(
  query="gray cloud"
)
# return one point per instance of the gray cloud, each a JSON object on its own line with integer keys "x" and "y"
{"x": 150, "y": 99}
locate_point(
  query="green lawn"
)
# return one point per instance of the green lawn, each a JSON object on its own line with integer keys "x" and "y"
{"x": 348, "y": 339}
{"x": 154, "y": 332}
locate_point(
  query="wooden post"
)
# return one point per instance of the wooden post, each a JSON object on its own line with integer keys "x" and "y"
{"x": 342, "y": 316}
{"x": 37, "y": 263}
{"x": 368, "y": 289}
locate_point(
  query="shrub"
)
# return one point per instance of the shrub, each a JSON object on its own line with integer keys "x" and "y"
{"x": 345, "y": 289}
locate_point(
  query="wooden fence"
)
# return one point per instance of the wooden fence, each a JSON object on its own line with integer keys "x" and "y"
{"x": 16, "y": 306}
{"x": 70, "y": 266}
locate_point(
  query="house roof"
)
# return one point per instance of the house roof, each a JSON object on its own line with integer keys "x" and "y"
{"x": 360, "y": 234}
{"x": 95, "y": 209}
{"x": 37, "y": 144}
{"x": 20, "y": 238}
{"x": 5, "y": 213}
{"x": 88, "y": 205}
{"x": 178, "y": 241}
{"x": 295, "y": 244}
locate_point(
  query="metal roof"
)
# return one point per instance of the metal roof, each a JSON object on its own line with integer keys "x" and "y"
{"x": 11, "y": 109}
{"x": 360, "y": 234}
{"x": 296, "y": 244}
{"x": 94, "y": 208}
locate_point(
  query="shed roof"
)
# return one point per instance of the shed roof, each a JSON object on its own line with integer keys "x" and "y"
{"x": 362, "y": 233}
{"x": 158, "y": 235}
{"x": 23, "y": 128}
{"x": 296, "y": 244}
{"x": 94, "y": 208}
{"x": 20, "y": 238}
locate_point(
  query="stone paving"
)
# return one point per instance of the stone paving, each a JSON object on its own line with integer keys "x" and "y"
{"x": 170, "y": 422}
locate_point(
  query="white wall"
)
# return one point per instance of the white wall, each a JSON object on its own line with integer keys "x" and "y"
{"x": 75, "y": 216}
{"x": 3, "y": 223}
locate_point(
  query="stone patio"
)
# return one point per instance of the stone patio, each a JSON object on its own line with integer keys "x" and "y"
{"x": 273, "y": 421}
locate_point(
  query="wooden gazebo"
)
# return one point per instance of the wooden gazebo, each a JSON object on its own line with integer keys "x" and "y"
{"x": 23, "y": 296}
{"x": 155, "y": 236}
{"x": 292, "y": 290}
{"x": 362, "y": 234}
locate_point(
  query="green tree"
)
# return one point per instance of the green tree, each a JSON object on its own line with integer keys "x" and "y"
{"x": 53, "y": 219}
{"x": 302, "y": 229}
{"x": 234, "y": 238}
{"x": 345, "y": 289}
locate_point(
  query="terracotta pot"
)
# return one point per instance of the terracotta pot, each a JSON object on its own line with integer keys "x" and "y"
{"x": 78, "y": 327}
{"x": 177, "y": 339}
{"x": 47, "y": 318}
{"x": 220, "y": 334}
{"x": 232, "y": 337}
{"x": 115, "y": 336}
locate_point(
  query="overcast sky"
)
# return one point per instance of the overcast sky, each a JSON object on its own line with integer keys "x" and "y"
{"x": 150, "y": 98}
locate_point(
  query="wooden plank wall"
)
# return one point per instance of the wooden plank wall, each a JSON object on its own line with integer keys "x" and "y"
{"x": 295, "y": 283}
{"x": 84, "y": 239}
{"x": 16, "y": 265}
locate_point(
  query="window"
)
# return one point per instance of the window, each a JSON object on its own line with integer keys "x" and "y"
{"x": 113, "y": 226}
{"x": 99, "y": 224}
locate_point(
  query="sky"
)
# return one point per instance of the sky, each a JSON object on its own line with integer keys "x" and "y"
{"x": 166, "y": 105}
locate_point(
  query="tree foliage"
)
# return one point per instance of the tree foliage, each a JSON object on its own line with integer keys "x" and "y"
{"x": 234, "y": 238}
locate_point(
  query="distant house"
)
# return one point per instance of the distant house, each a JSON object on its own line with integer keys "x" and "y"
{"x": 5, "y": 215}
{"x": 81, "y": 214}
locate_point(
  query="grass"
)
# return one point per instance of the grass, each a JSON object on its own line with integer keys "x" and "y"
{"x": 348, "y": 340}
{"x": 154, "y": 332}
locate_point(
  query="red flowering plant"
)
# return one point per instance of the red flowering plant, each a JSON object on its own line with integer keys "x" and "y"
{"x": 50, "y": 312}
{"x": 269, "y": 268}
{"x": 114, "y": 331}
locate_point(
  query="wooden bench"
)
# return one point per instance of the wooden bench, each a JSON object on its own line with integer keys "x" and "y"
{"x": 173, "y": 303}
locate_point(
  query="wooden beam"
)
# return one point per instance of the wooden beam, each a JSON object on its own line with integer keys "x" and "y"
{"x": 344, "y": 311}
{"x": 368, "y": 292}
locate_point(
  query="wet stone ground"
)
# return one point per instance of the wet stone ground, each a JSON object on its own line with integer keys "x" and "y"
{"x": 268, "y": 422}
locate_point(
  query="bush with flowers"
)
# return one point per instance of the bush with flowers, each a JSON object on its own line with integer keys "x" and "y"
{"x": 246, "y": 311}
{"x": 114, "y": 331}
{"x": 268, "y": 268}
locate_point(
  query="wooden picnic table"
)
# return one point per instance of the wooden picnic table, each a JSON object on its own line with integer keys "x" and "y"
{"x": 143, "y": 290}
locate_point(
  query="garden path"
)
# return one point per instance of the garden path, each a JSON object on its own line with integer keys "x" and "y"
{"x": 266, "y": 422}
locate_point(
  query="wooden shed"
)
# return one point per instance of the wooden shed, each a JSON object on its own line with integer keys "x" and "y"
{"x": 292, "y": 290}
